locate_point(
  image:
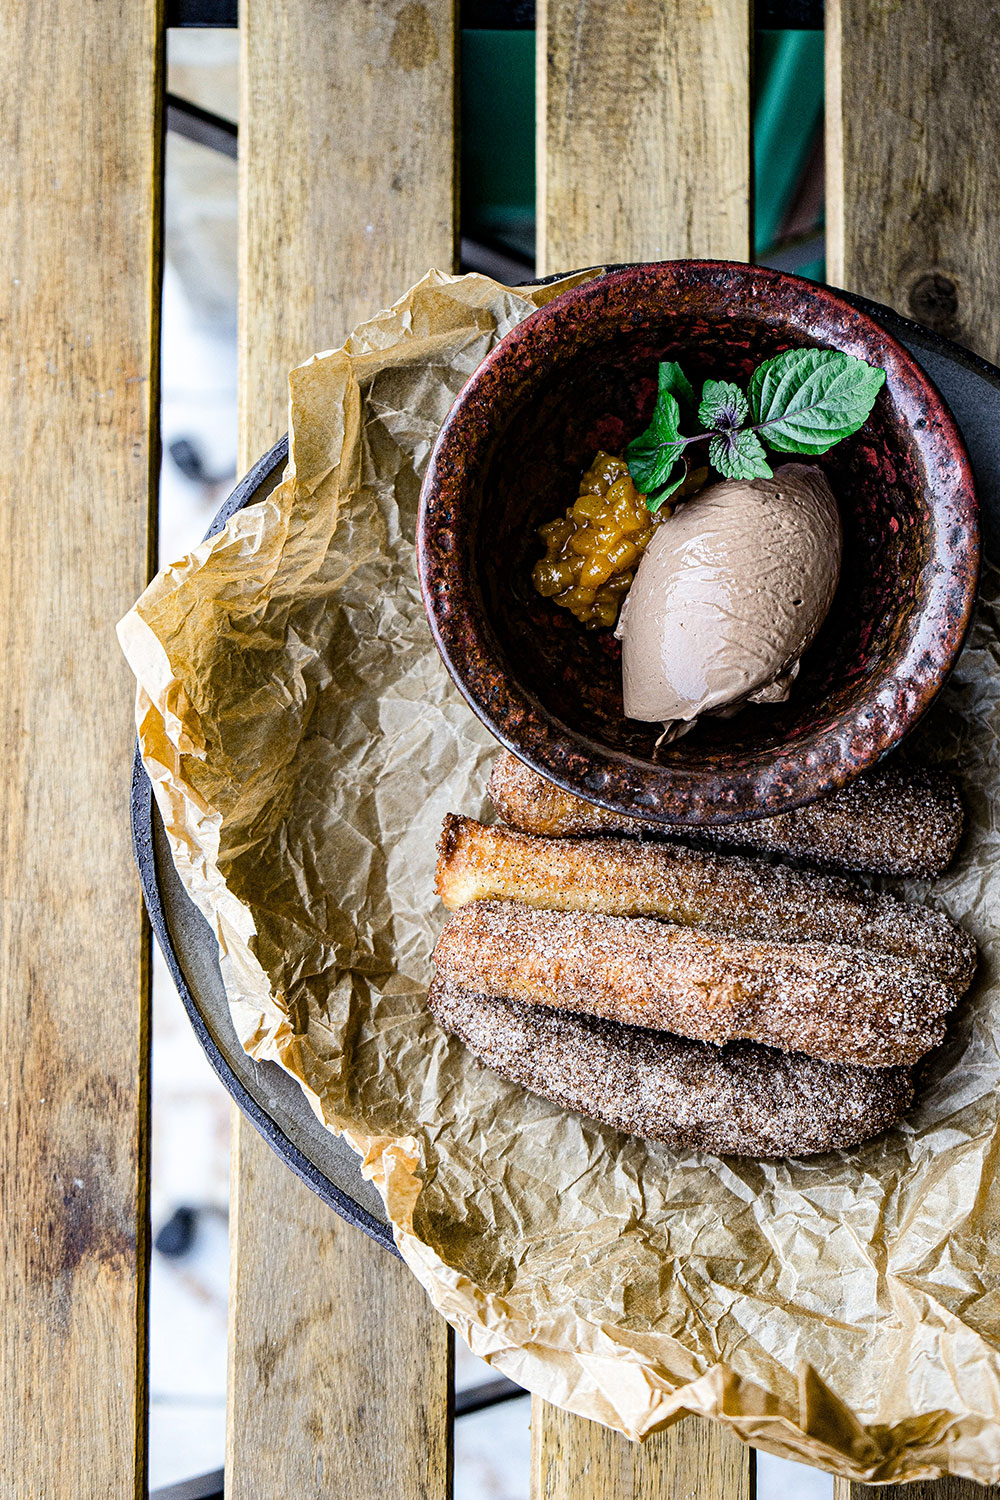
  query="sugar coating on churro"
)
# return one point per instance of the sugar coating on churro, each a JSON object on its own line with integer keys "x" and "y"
{"x": 724, "y": 893}
{"x": 830, "y": 1001}
{"x": 740, "y": 1099}
{"x": 892, "y": 821}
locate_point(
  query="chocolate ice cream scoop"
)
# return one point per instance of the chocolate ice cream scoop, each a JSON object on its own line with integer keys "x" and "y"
{"x": 730, "y": 592}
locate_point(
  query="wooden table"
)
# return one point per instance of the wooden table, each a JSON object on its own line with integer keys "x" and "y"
{"x": 340, "y": 1375}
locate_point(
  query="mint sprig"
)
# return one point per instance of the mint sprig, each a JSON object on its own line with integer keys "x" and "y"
{"x": 801, "y": 401}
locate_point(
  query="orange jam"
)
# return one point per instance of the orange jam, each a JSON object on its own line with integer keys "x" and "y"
{"x": 592, "y": 552}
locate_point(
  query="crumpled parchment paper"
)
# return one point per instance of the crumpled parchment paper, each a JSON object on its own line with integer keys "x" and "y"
{"x": 304, "y": 743}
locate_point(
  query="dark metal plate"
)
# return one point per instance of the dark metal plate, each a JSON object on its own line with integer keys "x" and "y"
{"x": 269, "y": 1097}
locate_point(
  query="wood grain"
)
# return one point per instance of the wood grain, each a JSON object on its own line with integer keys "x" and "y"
{"x": 79, "y": 225}
{"x": 339, "y": 1377}
{"x": 339, "y": 1368}
{"x": 572, "y": 1459}
{"x": 934, "y": 1489}
{"x": 913, "y": 171}
{"x": 643, "y": 131}
{"x": 348, "y": 177}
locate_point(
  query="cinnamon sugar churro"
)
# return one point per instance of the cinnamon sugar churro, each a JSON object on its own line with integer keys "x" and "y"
{"x": 740, "y": 1100}
{"x": 892, "y": 821}
{"x": 830, "y": 1001}
{"x": 722, "y": 893}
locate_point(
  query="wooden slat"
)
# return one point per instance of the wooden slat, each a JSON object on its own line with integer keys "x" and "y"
{"x": 79, "y": 225}
{"x": 939, "y": 1489}
{"x": 348, "y": 180}
{"x": 913, "y": 216}
{"x": 339, "y": 1368}
{"x": 913, "y": 196}
{"x": 572, "y": 1459}
{"x": 643, "y": 154}
{"x": 643, "y": 131}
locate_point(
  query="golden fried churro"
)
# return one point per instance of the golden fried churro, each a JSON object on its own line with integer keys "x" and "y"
{"x": 892, "y": 821}
{"x": 719, "y": 892}
{"x": 742, "y": 1099}
{"x": 830, "y": 1001}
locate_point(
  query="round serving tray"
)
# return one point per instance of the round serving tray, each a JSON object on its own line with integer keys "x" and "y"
{"x": 267, "y": 1095}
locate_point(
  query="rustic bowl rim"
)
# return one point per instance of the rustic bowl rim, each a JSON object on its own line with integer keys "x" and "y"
{"x": 524, "y": 726}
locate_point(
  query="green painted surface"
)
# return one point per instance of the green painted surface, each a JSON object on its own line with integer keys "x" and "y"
{"x": 498, "y": 133}
{"x": 498, "y": 138}
{"x": 788, "y": 110}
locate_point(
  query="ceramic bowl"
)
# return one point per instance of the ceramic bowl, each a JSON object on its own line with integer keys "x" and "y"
{"x": 581, "y": 374}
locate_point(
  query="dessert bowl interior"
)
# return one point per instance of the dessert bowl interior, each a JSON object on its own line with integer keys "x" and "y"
{"x": 581, "y": 375}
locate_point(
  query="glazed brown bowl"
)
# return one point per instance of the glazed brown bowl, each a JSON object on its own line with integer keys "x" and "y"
{"x": 581, "y": 374}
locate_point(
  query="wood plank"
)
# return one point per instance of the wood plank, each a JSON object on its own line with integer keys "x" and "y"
{"x": 913, "y": 174}
{"x": 348, "y": 178}
{"x": 79, "y": 224}
{"x": 572, "y": 1459}
{"x": 339, "y": 1368}
{"x": 643, "y": 131}
{"x": 913, "y": 212}
{"x": 643, "y": 154}
{"x": 935, "y": 1489}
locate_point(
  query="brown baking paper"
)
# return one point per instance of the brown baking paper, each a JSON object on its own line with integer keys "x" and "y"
{"x": 304, "y": 743}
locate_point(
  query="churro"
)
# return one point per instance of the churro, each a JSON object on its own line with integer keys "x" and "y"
{"x": 722, "y": 893}
{"x": 830, "y": 1001}
{"x": 892, "y": 821}
{"x": 741, "y": 1099}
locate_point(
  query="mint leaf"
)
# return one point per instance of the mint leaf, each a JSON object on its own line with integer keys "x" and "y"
{"x": 665, "y": 423}
{"x": 663, "y": 492}
{"x": 652, "y": 455}
{"x": 723, "y": 405}
{"x": 651, "y": 468}
{"x": 675, "y": 382}
{"x": 739, "y": 455}
{"x": 806, "y": 400}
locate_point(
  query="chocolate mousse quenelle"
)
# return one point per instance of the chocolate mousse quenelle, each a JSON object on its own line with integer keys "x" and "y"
{"x": 729, "y": 593}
